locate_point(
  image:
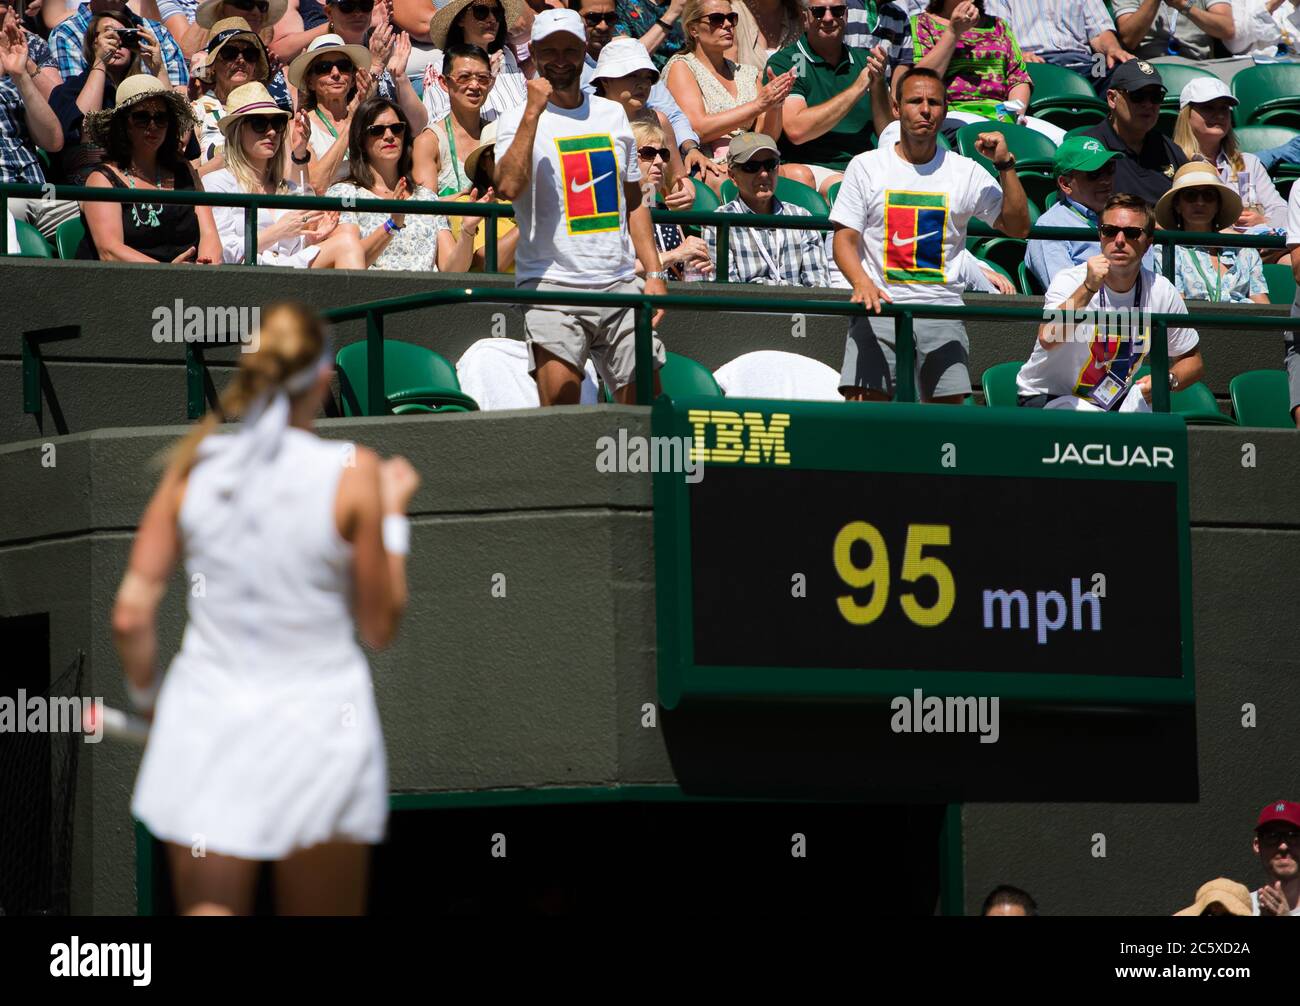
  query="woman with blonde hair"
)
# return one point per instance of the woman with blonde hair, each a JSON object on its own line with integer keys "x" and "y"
{"x": 679, "y": 254}
{"x": 255, "y": 129}
{"x": 722, "y": 98}
{"x": 266, "y": 741}
{"x": 1204, "y": 131}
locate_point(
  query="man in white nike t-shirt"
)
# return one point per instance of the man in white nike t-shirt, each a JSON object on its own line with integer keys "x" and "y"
{"x": 1088, "y": 355}
{"x": 900, "y": 229}
{"x": 568, "y": 161}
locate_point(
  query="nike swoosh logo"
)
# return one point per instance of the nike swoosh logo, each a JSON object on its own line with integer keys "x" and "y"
{"x": 575, "y": 188}
{"x": 904, "y": 242}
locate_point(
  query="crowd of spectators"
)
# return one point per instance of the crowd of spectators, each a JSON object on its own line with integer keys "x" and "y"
{"x": 404, "y": 99}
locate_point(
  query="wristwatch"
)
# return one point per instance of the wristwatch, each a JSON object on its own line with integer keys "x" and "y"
{"x": 664, "y": 25}
{"x": 294, "y": 157}
{"x": 657, "y": 275}
{"x": 1006, "y": 165}
{"x": 1173, "y": 381}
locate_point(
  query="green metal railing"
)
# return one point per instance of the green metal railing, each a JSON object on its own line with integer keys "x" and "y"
{"x": 493, "y": 212}
{"x": 374, "y": 312}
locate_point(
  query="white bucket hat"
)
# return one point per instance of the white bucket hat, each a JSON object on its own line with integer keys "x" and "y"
{"x": 623, "y": 57}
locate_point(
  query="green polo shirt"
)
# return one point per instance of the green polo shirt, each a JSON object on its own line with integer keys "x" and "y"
{"x": 817, "y": 82}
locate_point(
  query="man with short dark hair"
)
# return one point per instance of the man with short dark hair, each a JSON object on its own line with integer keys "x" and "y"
{"x": 1150, "y": 158}
{"x": 1085, "y": 178}
{"x": 1277, "y": 844}
{"x": 839, "y": 98}
{"x": 900, "y": 226}
{"x": 1007, "y": 900}
{"x": 771, "y": 256}
{"x": 1087, "y": 357}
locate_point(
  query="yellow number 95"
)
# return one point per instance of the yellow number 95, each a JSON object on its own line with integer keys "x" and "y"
{"x": 875, "y": 574}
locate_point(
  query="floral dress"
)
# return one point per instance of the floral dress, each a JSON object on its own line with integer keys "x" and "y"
{"x": 414, "y": 248}
{"x": 985, "y": 66}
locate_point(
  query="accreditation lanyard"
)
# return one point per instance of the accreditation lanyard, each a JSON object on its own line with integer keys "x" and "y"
{"x": 1218, "y": 279}
{"x": 1111, "y": 389}
{"x": 766, "y": 255}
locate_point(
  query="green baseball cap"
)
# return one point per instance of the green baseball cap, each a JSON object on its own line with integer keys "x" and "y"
{"x": 1081, "y": 153}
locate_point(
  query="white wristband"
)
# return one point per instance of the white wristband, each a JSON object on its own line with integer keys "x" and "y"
{"x": 143, "y": 699}
{"x": 397, "y": 534}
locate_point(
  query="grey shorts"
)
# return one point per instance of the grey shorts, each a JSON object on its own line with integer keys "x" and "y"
{"x": 942, "y": 354}
{"x": 1293, "y": 372}
{"x": 606, "y": 335}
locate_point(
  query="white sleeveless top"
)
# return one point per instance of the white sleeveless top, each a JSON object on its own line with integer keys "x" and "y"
{"x": 266, "y": 738}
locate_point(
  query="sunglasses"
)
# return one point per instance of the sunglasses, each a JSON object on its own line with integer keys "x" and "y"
{"x": 377, "y": 129}
{"x": 260, "y": 124}
{"x": 717, "y": 20}
{"x": 324, "y": 66}
{"x": 483, "y": 12}
{"x": 246, "y": 5}
{"x": 1146, "y": 96}
{"x": 600, "y": 17}
{"x": 230, "y": 53}
{"x": 1095, "y": 176}
{"x": 352, "y": 6}
{"x": 1199, "y": 195}
{"x": 838, "y": 12}
{"x": 467, "y": 76}
{"x": 650, "y": 153}
{"x": 1278, "y": 837}
{"x": 754, "y": 167}
{"x": 144, "y": 119}
{"x": 1110, "y": 232}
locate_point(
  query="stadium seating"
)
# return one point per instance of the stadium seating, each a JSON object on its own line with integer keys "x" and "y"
{"x": 1005, "y": 253}
{"x": 68, "y": 236}
{"x": 1032, "y": 150}
{"x": 834, "y": 191}
{"x": 678, "y": 377}
{"x": 1281, "y": 283}
{"x": 1261, "y": 398}
{"x": 1196, "y": 404}
{"x": 788, "y": 191}
{"x": 1253, "y": 139}
{"x": 1029, "y": 284}
{"x": 30, "y": 242}
{"x": 999, "y": 383}
{"x": 997, "y": 269}
{"x": 1268, "y": 95}
{"x": 416, "y": 379}
{"x": 705, "y": 200}
{"x": 1063, "y": 97}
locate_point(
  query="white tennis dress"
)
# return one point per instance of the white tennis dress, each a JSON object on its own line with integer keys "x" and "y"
{"x": 265, "y": 738}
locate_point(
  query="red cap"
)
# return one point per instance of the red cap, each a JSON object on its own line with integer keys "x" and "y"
{"x": 1279, "y": 810}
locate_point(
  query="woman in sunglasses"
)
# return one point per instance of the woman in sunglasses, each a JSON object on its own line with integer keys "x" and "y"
{"x": 235, "y": 57}
{"x": 259, "y": 15}
{"x": 721, "y": 98}
{"x": 256, "y": 128}
{"x": 141, "y": 138}
{"x": 379, "y": 161}
{"x": 680, "y": 255}
{"x": 108, "y": 63}
{"x": 332, "y": 79}
{"x": 444, "y": 146}
{"x": 484, "y": 23}
{"x": 390, "y": 50}
{"x": 1200, "y": 201}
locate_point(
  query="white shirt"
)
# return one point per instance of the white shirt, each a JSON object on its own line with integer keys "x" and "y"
{"x": 1254, "y": 186}
{"x": 572, "y": 216}
{"x": 1075, "y": 367}
{"x": 1293, "y": 235}
{"x": 230, "y": 226}
{"x": 912, "y": 219}
{"x": 509, "y": 90}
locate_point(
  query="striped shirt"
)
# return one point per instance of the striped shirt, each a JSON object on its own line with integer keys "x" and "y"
{"x": 68, "y": 36}
{"x": 873, "y": 24}
{"x": 508, "y": 90}
{"x": 18, "y": 161}
{"x": 1057, "y": 26}
{"x": 772, "y": 257}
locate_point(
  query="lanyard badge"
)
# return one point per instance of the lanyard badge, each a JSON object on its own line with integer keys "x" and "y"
{"x": 1114, "y": 385}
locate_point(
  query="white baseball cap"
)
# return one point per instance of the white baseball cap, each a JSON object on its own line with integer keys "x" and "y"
{"x": 548, "y": 22}
{"x": 622, "y": 57}
{"x": 1205, "y": 89}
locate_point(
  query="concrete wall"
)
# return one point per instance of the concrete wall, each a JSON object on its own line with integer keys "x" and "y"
{"x": 104, "y": 369}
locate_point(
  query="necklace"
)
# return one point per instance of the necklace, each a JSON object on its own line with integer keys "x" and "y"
{"x": 145, "y": 214}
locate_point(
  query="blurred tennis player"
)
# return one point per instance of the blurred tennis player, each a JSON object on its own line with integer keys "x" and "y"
{"x": 266, "y": 743}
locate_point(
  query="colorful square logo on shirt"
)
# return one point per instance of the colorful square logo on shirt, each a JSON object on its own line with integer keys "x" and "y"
{"x": 915, "y": 223}
{"x": 589, "y": 172}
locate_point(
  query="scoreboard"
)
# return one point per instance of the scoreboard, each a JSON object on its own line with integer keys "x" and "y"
{"x": 860, "y": 551}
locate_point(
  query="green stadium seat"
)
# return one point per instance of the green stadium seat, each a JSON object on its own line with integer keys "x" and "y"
{"x": 788, "y": 191}
{"x": 416, "y": 379}
{"x": 1032, "y": 150}
{"x": 1196, "y": 404}
{"x": 1253, "y": 139}
{"x": 834, "y": 191}
{"x": 1281, "y": 283}
{"x": 999, "y": 383}
{"x": 679, "y": 377}
{"x": 68, "y": 236}
{"x": 1029, "y": 284}
{"x": 1006, "y": 253}
{"x": 30, "y": 242}
{"x": 1262, "y": 398}
{"x": 1039, "y": 185}
{"x": 1268, "y": 95}
{"x": 705, "y": 200}
{"x": 1063, "y": 97}
{"x": 997, "y": 269}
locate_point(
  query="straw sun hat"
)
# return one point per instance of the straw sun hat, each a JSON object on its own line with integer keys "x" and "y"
{"x": 1197, "y": 175}
{"x": 446, "y": 11}
{"x": 1232, "y": 896}
{"x": 206, "y": 15}
{"x": 137, "y": 88}
{"x": 323, "y": 46}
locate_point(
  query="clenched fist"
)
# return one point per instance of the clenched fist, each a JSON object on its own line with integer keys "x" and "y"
{"x": 539, "y": 94}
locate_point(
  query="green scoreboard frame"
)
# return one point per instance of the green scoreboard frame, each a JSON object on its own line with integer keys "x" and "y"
{"x": 825, "y": 551}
